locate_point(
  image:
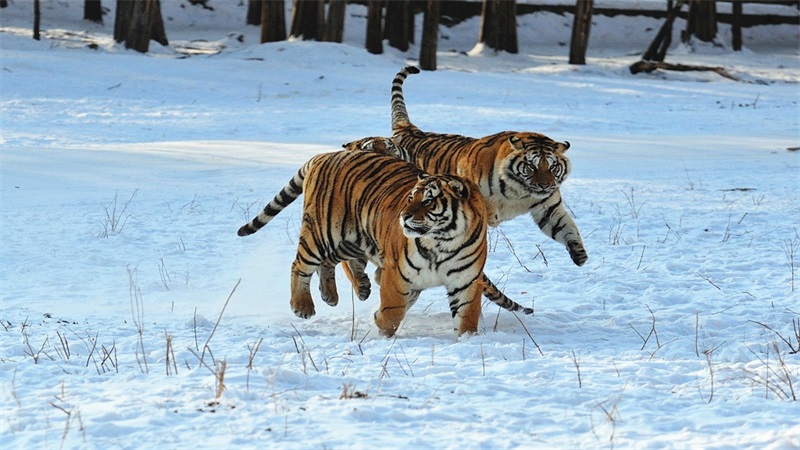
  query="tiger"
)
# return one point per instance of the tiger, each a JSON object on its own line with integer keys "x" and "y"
{"x": 355, "y": 269}
{"x": 420, "y": 230}
{"x": 517, "y": 172}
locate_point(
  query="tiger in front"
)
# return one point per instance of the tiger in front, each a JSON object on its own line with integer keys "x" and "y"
{"x": 517, "y": 172}
{"x": 420, "y": 231}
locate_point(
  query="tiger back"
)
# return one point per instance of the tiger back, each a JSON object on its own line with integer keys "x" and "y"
{"x": 421, "y": 231}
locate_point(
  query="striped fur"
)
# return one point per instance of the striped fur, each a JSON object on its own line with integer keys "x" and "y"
{"x": 421, "y": 231}
{"x": 355, "y": 268}
{"x": 517, "y": 172}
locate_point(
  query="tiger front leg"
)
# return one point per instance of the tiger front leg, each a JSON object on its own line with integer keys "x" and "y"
{"x": 327, "y": 284}
{"x": 355, "y": 269}
{"x": 554, "y": 221}
{"x": 465, "y": 305}
{"x": 394, "y": 302}
{"x": 577, "y": 252}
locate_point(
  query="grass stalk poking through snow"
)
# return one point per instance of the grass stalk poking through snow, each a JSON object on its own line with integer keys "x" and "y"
{"x": 137, "y": 315}
{"x": 116, "y": 215}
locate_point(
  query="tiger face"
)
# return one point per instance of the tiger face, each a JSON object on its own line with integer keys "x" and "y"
{"x": 433, "y": 206}
{"x": 536, "y": 164}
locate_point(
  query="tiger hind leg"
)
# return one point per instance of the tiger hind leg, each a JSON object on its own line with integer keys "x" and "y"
{"x": 304, "y": 266}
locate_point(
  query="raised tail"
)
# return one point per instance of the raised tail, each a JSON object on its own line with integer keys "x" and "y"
{"x": 285, "y": 197}
{"x": 494, "y": 294}
{"x": 400, "y": 118}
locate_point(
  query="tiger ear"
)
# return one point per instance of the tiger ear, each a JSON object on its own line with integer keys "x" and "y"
{"x": 516, "y": 142}
{"x": 421, "y": 176}
{"x": 564, "y": 146}
{"x": 461, "y": 189}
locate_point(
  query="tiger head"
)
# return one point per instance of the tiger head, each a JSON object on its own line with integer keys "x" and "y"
{"x": 535, "y": 164}
{"x": 436, "y": 207}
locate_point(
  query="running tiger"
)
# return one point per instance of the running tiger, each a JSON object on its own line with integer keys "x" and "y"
{"x": 355, "y": 269}
{"x": 517, "y": 172}
{"x": 421, "y": 231}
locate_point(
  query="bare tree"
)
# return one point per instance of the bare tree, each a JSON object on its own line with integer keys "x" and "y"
{"x": 122, "y": 20}
{"x": 399, "y": 24}
{"x": 93, "y": 11}
{"x": 273, "y": 20}
{"x": 657, "y": 50}
{"x": 37, "y": 19}
{"x": 430, "y": 36}
{"x": 702, "y": 20}
{"x": 736, "y": 26}
{"x": 499, "y": 25}
{"x": 580, "y": 31}
{"x": 253, "y": 12}
{"x": 374, "y": 42}
{"x": 334, "y": 23}
{"x": 137, "y": 22}
{"x": 308, "y": 19}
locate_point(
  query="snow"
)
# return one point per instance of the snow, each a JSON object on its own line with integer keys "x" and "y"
{"x": 125, "y": 178}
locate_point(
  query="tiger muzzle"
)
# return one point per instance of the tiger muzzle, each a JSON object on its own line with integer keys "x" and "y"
{"x": 412, "y": 227}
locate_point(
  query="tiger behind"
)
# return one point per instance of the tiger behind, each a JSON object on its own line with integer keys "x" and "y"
{"x": 517, "y": 172}
{"x": 421, "y": 231}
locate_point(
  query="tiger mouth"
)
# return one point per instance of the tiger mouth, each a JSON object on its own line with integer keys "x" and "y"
{"x": 543, "y": 191}
{"x": 540, "y": 191}
{"x": 412, "y": 230}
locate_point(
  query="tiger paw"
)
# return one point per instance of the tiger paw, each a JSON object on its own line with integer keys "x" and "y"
{"x": 330, "y": 298}
{"x": 329, "y": 293}
{"x": 304, "y": 313}
{"x": 303, "y": 308}
{"x": 364, "y": 288}
{"x": 577, "y": 252}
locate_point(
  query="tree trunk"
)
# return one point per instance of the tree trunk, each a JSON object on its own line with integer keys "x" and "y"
{"x": 93, "y": 11}
{"x": 702, "y": 21}
{"x": 657, "y": 50}
{"x": 499, "y": 25}
{"x": 144, "y": 23}
{"x": 374, "y": 36}
{"x": 334, "y": 24}
{"x": 580, "y": 32}
{"x": 736, "y": 27}
{"x": 508, "y": 26}
{"x": 37, "y": 19}
{"x": 430, "y": 36}
{"x": 306, "y": 19}
{"x": 158, "y": 33}
{"x": 397, "y": 28}
{"x": 489, "y": 24}
{"x": 273, "y": 20}
{"x": 122, "y": 20}
{"x": 254, "y": 12}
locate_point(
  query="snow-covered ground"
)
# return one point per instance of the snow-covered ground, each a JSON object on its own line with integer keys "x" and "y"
{"x": 126, "y": 296}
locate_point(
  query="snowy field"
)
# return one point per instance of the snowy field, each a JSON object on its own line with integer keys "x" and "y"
{"x": 134, "y": 317}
